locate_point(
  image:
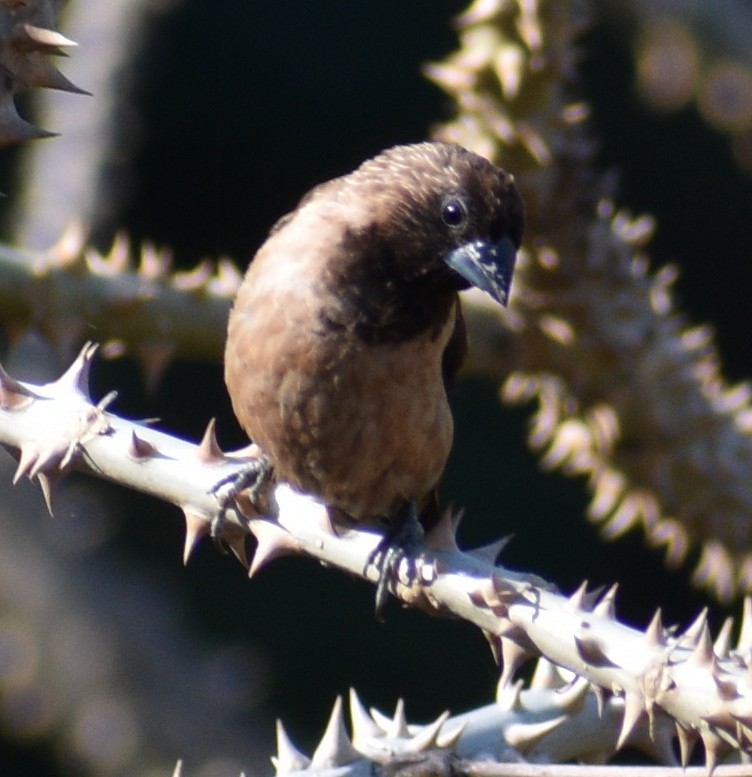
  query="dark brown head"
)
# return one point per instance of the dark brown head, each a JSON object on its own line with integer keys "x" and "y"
{"x": 419, "y": 223}
{"x": 447, "y": 216}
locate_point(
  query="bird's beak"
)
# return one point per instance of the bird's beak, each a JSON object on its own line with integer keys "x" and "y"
{"x": 487, "y": 266}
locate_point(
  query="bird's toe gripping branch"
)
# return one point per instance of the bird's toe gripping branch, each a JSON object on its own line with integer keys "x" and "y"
{"x": 250, "y": 483}
{"x": 400, "y": 543}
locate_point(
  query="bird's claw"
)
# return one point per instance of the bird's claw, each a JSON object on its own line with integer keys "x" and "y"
{"x": 386, "y": 560}
{"x": 253, "y": 479}
{"x": 399, "y": 544}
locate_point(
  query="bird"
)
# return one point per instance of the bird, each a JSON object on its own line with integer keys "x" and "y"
{"x": 346, "y": 333}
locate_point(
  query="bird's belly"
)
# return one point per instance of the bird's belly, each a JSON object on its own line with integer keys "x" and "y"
{"x": 375, "y": 433}
{"x": 363, "y": 427}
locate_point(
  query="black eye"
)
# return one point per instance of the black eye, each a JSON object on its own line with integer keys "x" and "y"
{"x": 454, "y": 212}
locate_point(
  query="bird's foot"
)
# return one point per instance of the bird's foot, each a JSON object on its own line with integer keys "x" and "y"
{"x": 252, "y": 480}
{"x": 399, "y": 543}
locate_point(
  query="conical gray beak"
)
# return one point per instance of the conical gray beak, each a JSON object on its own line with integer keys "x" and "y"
{"x": 487, "y": 266}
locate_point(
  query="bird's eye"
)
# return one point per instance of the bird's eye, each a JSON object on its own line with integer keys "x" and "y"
{"x": 454, "y": 212}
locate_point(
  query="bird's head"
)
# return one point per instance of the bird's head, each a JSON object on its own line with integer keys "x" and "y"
{"x": 457, "y": 218}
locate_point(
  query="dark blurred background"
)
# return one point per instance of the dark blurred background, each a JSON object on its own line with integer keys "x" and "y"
{"x": 241, "y": 108}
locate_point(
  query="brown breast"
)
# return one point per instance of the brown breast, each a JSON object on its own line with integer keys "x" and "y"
{"x": 364, "y": 427}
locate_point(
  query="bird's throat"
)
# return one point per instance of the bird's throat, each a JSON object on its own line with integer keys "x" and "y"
{"x": 393, "y": 315}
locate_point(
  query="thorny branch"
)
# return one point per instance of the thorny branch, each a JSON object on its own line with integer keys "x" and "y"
{"x": 704, "y": 688}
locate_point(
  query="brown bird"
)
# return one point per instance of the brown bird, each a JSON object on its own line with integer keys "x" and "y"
{"x": 347, "y": 331}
